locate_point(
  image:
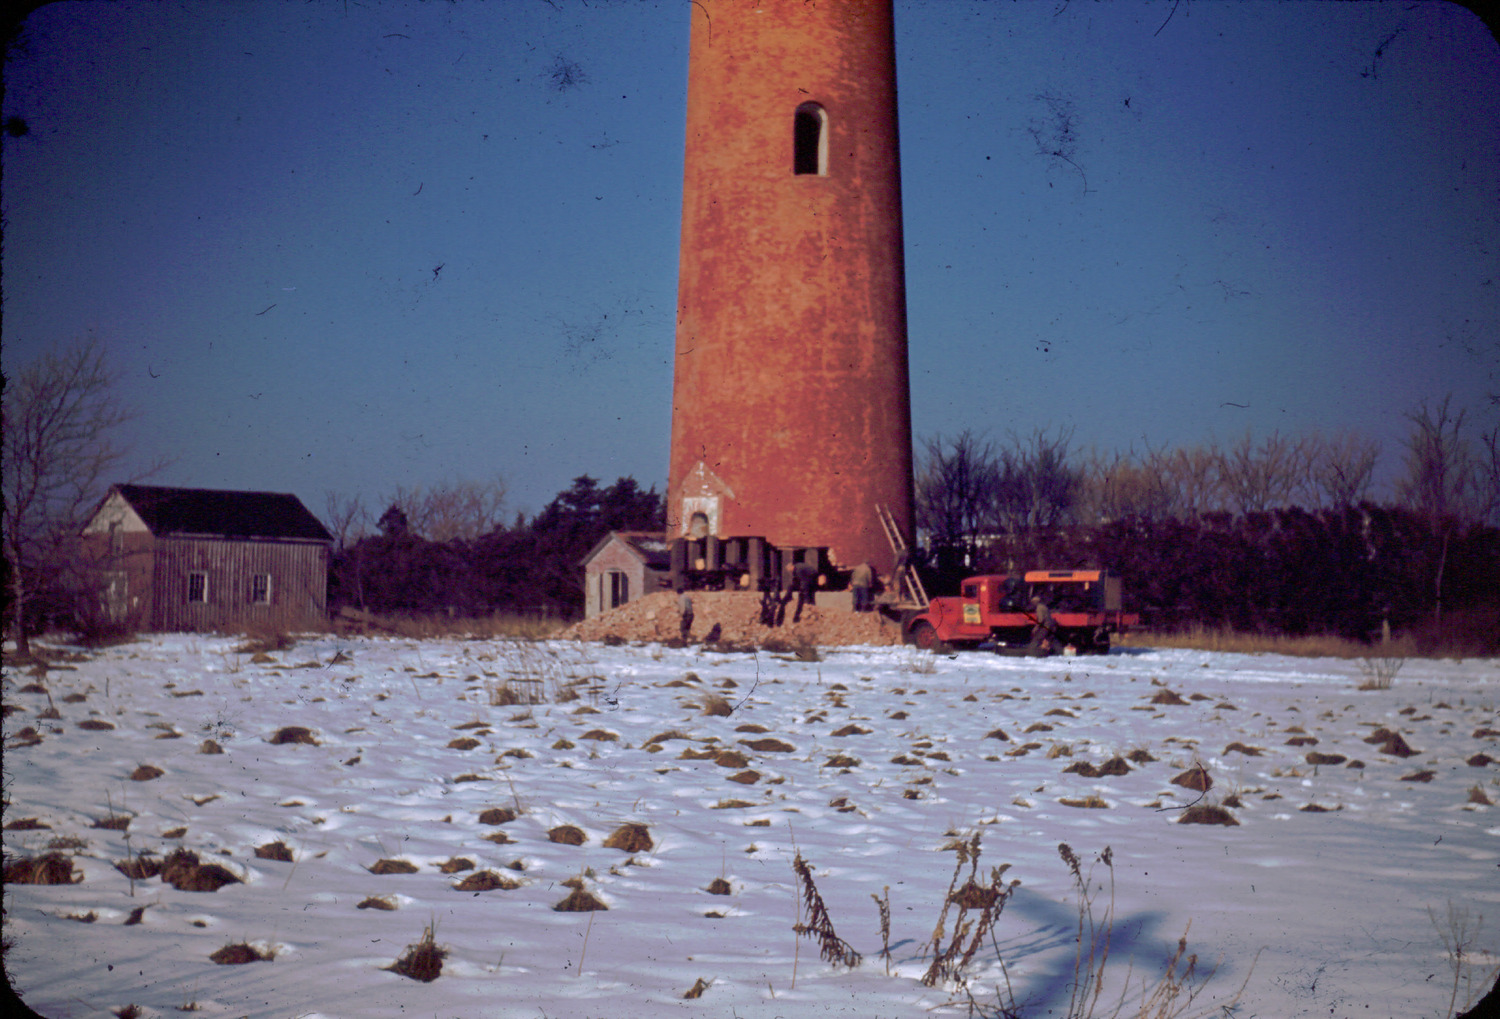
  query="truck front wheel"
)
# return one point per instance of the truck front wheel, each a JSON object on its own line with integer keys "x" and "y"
{"x": 923, "y": 635}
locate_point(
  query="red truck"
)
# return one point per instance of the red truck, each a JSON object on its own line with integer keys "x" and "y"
{"x": 1085, "y": 608}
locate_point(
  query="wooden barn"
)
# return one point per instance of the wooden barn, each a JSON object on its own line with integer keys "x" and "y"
{"x": 205, "y": 560}
{"x": 624, "y": 566}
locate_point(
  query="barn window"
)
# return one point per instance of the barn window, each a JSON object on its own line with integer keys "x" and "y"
{"x": 810, "y": 140}
{"x": 260, "y": 588}
{"x": 197, "y": 586}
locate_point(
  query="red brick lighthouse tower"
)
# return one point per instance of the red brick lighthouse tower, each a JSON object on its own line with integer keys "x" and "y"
{"x": 791, "y": 415}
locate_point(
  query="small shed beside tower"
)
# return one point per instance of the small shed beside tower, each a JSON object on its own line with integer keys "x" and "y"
{"x": 623, "y": 566}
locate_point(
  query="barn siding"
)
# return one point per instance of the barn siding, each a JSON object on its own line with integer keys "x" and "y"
{"x": 134, "y": 557}
{"x": 299, "y": 579}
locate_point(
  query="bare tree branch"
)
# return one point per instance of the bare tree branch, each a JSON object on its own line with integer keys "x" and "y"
{"x": 59, "y": 416}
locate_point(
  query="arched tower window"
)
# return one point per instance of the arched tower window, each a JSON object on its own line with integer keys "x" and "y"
{"x": 810, "y": 140}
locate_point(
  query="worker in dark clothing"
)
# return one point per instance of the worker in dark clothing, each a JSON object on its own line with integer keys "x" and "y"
{"x": 1043, "y": 633}
{"x": 770, "y": 605}
{"x": 860, "y": 582}
{"x": 685, "y": 613}
{"x": 805, "y": 583}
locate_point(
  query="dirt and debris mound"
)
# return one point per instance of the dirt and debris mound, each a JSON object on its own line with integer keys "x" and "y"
{"x": 736, "y": 614}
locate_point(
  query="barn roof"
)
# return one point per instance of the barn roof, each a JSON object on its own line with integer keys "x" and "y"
{"x": 223, "y": 514}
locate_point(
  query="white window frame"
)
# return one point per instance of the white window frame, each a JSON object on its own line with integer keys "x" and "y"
{"x": 265, "y": 598}
{"x": 203, "y": 587}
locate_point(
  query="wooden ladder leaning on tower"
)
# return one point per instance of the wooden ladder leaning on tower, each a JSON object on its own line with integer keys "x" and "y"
{"x": 909, "y": 590}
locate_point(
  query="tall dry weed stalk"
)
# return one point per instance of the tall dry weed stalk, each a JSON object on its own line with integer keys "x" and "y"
{"x": 1174, "y": 992}
{"x": 813, "y": 921}
{"x": 1379, "y": 671}
{"x": 1092, "y": 951}
{"x": 950, "y": 962}
{"x": 537, "y": 672}
{"x": 883, "y": 905}
{"x": 1458, "y": 932}
{"x": 1203, "y": 638}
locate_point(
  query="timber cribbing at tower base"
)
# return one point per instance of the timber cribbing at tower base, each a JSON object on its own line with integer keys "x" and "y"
{"x": 791, "y": 410}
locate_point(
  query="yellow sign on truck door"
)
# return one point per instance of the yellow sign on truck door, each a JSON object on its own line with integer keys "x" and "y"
{"x": 971, "y": 613}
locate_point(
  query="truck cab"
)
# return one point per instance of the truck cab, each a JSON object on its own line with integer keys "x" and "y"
{"x": 996, "y": 608}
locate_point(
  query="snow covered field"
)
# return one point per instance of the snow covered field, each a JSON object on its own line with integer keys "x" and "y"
{"x": 893, "y": 757}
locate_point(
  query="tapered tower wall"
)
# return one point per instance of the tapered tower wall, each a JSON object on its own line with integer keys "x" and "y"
{"x": 791, "y": 412}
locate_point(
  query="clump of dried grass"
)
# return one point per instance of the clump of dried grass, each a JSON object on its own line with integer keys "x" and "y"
{"x": 769, "y": 745}
{"x": 388, "y": 866}
{"x": 294, "y": 734}
{"x": 422, "y": 961}
{"x": 264, "y": 640}
{"x": 277, "y": 851}
{"x": 1207, "y": 813}
{"x": 580, "y": 900}
{"x": 1089, "y": 802}
{"x": 139, "y": 868}
{"x": 1195, "y": 778}
{"x": 183, "y": 871}
{"x": 239, "y": 954}
{"x": 27, "y": 824}
{"x": 568, "y": 835}
{"x": 486, "y": 881}
{"x": 714, "y": 704}
{"x": 630, "y": 838}
{"x": 47, "y": 869}
{"x": 376, "y": 902}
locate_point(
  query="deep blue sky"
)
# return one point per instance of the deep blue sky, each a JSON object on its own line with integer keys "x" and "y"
{"x": 351, "y": 246}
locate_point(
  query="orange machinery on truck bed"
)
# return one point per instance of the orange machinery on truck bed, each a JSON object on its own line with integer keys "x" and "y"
{"x": 1085, "y": 607}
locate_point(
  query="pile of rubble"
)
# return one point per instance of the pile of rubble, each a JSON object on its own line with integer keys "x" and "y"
{"x": 737, "y": 614}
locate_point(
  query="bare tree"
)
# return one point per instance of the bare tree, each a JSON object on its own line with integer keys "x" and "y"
{"x": 1037, "y": 490}
{"x": 1118, "y": 485}
{"x": 955, "y": 486}
{"x": 1488, "y": 476}
{"x": 346, "y": 517}
{"x": 1339, "y": 469}
{"x": 1188, "y": 479}
{"x": 453, "y": 510}
{"x": 1440, "y": 466}
{"x": 1255, "y": 476}
{"x": 59, "y": 419}
{"x": 1441, "y": 481}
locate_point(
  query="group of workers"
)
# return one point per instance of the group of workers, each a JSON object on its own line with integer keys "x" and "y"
{"x": 861, "y": 583}
{"x": 804, "y": 585}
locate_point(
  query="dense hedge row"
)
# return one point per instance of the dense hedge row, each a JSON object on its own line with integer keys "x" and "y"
{"x": 1286, "y": 571}
{"x": 532, "y": 567}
